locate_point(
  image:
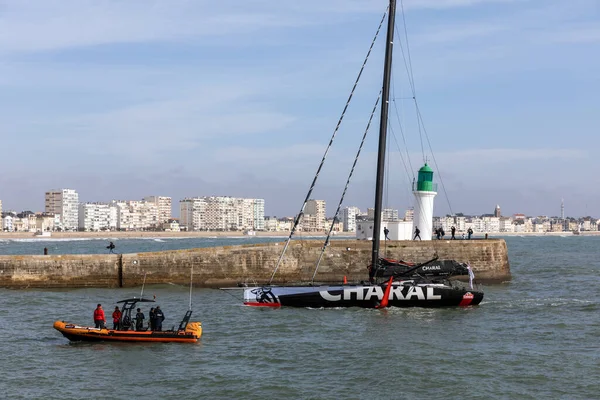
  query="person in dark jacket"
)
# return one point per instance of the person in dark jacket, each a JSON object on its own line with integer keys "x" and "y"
{"x": 453, "y": 231}
{"x": 152, "y": 319}
{"x": 159, "y": 318}
{"x": 417, "y": 233}
{"x": 139, "y": 320}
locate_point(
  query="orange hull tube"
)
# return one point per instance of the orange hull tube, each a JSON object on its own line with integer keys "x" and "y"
{"x": 73, "y": 332}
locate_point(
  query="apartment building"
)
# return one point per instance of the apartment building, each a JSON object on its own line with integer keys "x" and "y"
{"x": 164, "y": 206}
{"x": 258, "y": 214}
{"x": 349, "y": 218}
{"x": 271, "y": 224}
{"x": 65, "y": 203}
{"x": 506, "y": 224}
{"x": 7, "y": 222}
{"x": 191, "y": 214}
{"x": 134, "y": 215}
{"x": 0, "y": 207}
{"x": 222, "y": 213}
{"x": 97, "y": 217}
{"x": 285, "y": 224}
{"x": 313, "y": 219}
{"x": 389, "y": 215}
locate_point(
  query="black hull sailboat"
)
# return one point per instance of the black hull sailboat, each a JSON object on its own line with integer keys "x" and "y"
{"x": 404, "y": 284}
{"x": 411, "y": 293}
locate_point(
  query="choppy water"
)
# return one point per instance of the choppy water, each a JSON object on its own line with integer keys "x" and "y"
{"x": 535, "y": 337}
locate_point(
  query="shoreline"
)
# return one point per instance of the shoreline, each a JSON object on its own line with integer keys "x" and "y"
{"x": 161, "y": 234}
{"x": 219, "y": 234}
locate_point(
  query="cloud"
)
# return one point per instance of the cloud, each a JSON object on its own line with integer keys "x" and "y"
{"x": 508, "y": 155}
{"x": 445, "y": 4}
{"x": 575, "y": 35}
{"x": 50, "y": 25}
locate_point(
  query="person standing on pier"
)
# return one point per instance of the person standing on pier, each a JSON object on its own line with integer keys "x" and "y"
{"x": 385, "y": 232}
{"x": 417, "y": 233}
{"x": 469, "y": 233}
{"x": 453, "y": 231}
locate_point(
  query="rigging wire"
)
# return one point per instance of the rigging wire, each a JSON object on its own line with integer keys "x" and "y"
{"x": 420, "y": 122}
{"x": 337, "y": 211}
{"x": 409, "y": 70}
{"x": 312, "y": 186}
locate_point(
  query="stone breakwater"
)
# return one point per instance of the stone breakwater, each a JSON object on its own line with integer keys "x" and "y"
{"x": 230, "y": 265}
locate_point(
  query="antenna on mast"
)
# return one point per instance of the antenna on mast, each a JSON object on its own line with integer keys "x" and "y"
{"x": 143, "y": 283}
{"x": 191, "y": 279}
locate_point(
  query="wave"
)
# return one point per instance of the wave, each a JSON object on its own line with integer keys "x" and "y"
{"x": 33, "y": 240}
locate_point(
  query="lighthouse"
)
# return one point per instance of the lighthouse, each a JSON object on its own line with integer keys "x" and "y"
{"x": 424, "y": 190}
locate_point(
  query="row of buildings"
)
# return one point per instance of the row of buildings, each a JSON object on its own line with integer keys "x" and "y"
{"x": 64, "y": 212}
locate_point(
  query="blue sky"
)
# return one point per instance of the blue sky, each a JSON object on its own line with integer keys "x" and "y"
{"x": 124, "y": 99}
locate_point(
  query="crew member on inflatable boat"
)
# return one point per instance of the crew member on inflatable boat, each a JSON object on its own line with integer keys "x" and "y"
{"x": 116, "y": 318}
{"x": 99, "y": 318}
{"x": 159, "y": 317}
{"x": 139, "y": 320}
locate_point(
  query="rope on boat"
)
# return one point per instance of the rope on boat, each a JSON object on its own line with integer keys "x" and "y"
{"x": 337, "y": 211}
{"x": 312, "y": 186}
{"x": 420, "y": 123}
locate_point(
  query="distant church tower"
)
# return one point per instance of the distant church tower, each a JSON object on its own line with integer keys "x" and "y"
{"x": 497, "y": 211}
{"x": 424, "y": 190}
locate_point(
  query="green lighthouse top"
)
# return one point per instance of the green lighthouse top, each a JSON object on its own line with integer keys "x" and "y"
{"x": 425, "y": 182}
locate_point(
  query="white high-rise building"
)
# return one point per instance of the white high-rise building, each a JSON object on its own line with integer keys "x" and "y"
{"x": 389, "y": 214}
{"x": 191, "y": 214}
{"x": 0, "y": 208}
{"x": 135, "y": 215}
{"x": 349, "y": 218}
{"x": 164, "y": 207}
{"x": 222, "y": 213}
{"x": 64, "y": 202}
{"x": 94, "y": 216}
{"x": 258, "y": 210}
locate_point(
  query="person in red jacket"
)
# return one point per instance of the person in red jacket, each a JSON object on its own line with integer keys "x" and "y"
{"x": 99, "y": 318}
{"x": 116, "y": 318}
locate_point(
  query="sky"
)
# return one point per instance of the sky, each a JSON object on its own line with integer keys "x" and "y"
{"x": 186, "y": 98}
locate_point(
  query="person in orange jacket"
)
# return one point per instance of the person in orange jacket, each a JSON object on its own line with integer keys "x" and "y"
{"x": 99, "y": 318}
{"x": 116, "y": 317}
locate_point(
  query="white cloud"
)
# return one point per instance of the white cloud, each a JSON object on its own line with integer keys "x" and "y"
{"x": 443, "y": 4}
{"x": 508, "y": 155}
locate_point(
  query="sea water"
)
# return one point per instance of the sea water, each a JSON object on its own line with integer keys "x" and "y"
{"x": 531, "y": 338}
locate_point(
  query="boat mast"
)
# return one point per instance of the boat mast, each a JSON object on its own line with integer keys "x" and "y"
{"x": 387, "y": 71}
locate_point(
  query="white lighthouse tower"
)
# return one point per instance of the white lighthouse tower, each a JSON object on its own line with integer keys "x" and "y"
{"x": 424, "y": 190}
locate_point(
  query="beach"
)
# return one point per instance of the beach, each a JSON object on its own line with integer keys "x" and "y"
{"x": 207, "y": 234}
{"x": 162, "y": 234}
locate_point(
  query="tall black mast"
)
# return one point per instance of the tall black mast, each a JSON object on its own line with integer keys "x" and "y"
{"x": 387, "y": 70}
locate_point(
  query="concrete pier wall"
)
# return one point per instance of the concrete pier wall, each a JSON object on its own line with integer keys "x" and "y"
{"x": 229, "y": 265}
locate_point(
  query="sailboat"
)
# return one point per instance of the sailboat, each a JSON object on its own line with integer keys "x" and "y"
{"x": 404, "y": 286}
